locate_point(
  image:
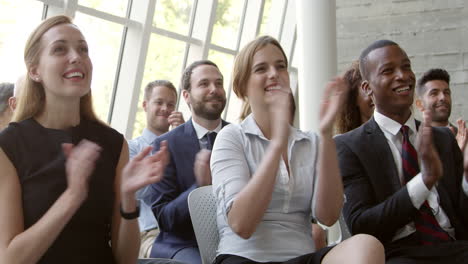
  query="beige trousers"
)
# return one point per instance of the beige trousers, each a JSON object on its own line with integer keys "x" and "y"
{"x": 146, "y": 242}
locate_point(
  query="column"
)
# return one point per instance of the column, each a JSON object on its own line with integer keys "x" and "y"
{"x": 316, "y": 36}
{"x": 316, "y": 33}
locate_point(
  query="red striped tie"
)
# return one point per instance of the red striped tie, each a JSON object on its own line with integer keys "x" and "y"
{"x": 427, "y": 227}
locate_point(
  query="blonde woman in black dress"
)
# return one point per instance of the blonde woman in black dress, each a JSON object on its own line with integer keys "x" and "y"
{"x": 67, "y": 191}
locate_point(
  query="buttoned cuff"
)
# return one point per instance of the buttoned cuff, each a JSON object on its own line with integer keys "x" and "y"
{"x": 417, "y": 190}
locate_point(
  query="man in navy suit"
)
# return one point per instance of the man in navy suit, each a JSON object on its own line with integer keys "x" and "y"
{"x": 383, "y": 198}
{"x": 188, "y": 168}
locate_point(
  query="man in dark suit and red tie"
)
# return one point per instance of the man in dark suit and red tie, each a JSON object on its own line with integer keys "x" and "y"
{"x": 412, "y": 197}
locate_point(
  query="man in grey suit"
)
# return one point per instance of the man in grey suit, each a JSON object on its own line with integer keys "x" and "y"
{"x": 420, "y": 217}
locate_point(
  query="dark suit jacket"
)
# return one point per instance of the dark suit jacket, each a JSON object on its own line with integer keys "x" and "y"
{"x": 455, "y": 128}
{"x": 169, "y": 196}
{"x": 376, "y": 202}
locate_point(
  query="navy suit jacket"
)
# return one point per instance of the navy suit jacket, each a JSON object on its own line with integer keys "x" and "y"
{"x": 376, "y": 202}
{"x": 169, "y": 196}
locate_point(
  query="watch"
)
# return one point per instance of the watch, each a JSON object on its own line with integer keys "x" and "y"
{"x": 131, "y": 215}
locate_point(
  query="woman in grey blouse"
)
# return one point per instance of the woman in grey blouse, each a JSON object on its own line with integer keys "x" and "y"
{"x": 271, "y": 179}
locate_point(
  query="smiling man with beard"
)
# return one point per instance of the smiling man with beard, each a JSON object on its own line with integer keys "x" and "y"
{"x": 188, "y": 168}
{"x": 434, "y": 94}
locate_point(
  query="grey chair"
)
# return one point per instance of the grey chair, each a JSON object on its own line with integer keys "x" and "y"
{"x": 337, "y": 232}
{"x": 202, "y": 208}
{"x": 345, "y": 234}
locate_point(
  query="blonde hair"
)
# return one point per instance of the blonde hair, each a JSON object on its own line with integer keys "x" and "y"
{"x": 243, "y": 63}
{"x": 32, "y": 98}
{"x": 245, "y": 110}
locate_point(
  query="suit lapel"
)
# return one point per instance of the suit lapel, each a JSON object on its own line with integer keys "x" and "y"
{"x": 191, "y": 139}
{"x": 224, "y": 123}
{"x": 380, "y": 157}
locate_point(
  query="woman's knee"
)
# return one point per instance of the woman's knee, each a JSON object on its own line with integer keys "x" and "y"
{"x": 368, "y": 245}
{"x": 366, "y": 241}
{"x": 357, "y": 249}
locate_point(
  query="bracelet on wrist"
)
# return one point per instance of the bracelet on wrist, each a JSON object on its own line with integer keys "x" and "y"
{"x": 130, "y": 215}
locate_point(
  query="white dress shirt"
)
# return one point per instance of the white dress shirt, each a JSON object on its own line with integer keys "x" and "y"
{"x": 201, "y": 132}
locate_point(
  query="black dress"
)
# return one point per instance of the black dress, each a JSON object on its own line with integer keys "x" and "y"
{"x": 37, "y": 155}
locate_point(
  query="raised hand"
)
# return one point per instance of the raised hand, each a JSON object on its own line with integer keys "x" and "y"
{"x": 80, "y": 164}
{"x": 334, "y": 97}
{"x": 201, "y": 167}
{"x": 143, "y": 169}
{"x": 431, "y": 166}
{"x": 175, "y": 119}
{"x": 461, "y": 135}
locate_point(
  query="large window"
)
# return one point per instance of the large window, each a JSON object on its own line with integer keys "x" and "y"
{"x": 173, "y": 15}
{"x": 104, "y": 40}
{"x": 225, "y": 62}
{"x": 14, "y": 31}
{"x": 164, "y": 62}
{"x": 114, "y": 7}
{"x": 227, "y": 25}
{"x": 133, "y": 42}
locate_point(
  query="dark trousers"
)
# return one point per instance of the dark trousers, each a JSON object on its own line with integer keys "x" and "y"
{"x": 312, "y": 258}
{"x": 189, "y": 255}
{"x": 407, "y": 251}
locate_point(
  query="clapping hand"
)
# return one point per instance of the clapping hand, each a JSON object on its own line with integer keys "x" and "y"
{"x": 143, "y": 169}
{"x": 201, "y": 167}
{"x": 80, "y": 163}
{"x": 461, "y": 135}
{"x": 279, "y": 108}
{"x": 334, "y": 97}
{"x": 431, "y": 166}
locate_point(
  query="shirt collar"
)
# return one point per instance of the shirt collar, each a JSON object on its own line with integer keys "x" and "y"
{"x": 249, "y": 125}
{"x": 393, "y": 127}
{"x": 148, "y": 136}
{"x": 201, "y": 131}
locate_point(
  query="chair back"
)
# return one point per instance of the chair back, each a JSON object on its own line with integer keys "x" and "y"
{"x": 338, "y": 232}
{"x": 345, "y": 234}
{"x": 202, "y": 208}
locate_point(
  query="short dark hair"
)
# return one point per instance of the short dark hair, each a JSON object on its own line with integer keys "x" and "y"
{"x": 431, "y": 75}
{"x": 363, "y": 57}
{"x": 187, "y": 74}
{"x": 149, "y": 87}
{"x": 6, "y": 91}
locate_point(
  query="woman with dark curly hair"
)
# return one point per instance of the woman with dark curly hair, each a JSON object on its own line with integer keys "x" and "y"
{"x": 358, "y": 107}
